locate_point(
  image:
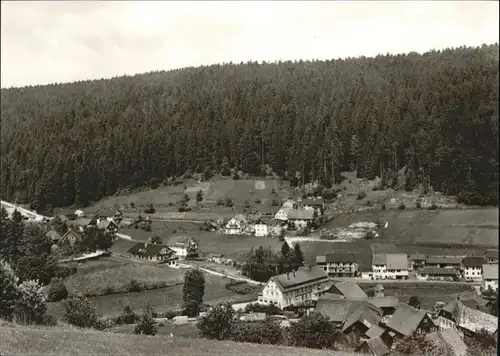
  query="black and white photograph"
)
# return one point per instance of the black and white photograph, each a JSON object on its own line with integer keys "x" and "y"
{"x": 243, "y": 178}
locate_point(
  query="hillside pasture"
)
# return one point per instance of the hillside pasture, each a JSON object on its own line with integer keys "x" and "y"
{"x": 475, "y": 227}
{"x": 162, "y": 299}
{"x": 118, "y": 278}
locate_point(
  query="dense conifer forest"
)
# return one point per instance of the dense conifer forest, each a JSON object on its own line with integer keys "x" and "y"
{"x": 435, "y": 114}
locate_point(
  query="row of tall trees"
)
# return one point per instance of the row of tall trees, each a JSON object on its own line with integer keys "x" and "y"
{"x": 434, "y": 113}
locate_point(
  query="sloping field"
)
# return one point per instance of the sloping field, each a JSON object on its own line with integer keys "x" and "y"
{"x": 468, "y": 227}
{"x": 119, "y": 277}
{"x": 56, "y": 341}
{"x": 242, "y": 190}
{"x": 163, "y": 299}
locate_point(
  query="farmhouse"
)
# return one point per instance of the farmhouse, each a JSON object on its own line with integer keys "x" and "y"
{"x": 108, "y": 226}
{"x": 316, "y": 203}
{"x": 152, "y": 252}
{"x": 183, "y": 245}
{"x": 348, "y": 290}
{"x": 338, "y": 264}
{"x": 416, "y": 260}
{"x": 390, "y": 266}
{"x": 465, "y": 320}
{"x": 362, "y": 318}
{"x": 407, "y": 320}
{"x": 71, "y": 237}
{"x": 434, "y": 273}
{"x": 373, "y": 346}
{"x": 473, "y": 268}
{"x": 443, "y": 262}
{"x": 261, "y": 228}
{"x": 448, "y": 339}
{"x": 492, "y": 256}
{"x": 388, "y": 304}
{"x": 289, "y": 204}
{"x": 282, "y": 214}
{"x": 295, "y": 288}
{"x": 490, "y": 277}
{"x": 85, "y": 223}
{"x": 234, "y": 227}
{"x": 300, "y": 217}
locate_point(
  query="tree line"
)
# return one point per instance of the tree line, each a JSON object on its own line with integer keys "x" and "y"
{"x": 435, "y": 114}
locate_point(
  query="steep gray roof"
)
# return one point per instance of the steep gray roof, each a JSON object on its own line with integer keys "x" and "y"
{"x": 337, "y": 257}
{"x": 365, "y": 313}
{"x": 377, "y": 346}
{"x": 417, "y": 256}
{"x": 490, "y": 271}
{"x": 434, "y": 271}
{"x": 397, "y": 261}
{"x": 405, "y": 319}
{"x": 300, "y": 277}
{"x": 379, "y": 259}
{"x": 337, "y": 310}
{"x": 385, "y": 302}
{"x": 450, "y": 338}
{"x": 301, "y": 214}
{"x": 474, "y": 261}
{"x": 374, "y": 331}
{"x": 350, "y": 290}
{"x": 434, "y": 260}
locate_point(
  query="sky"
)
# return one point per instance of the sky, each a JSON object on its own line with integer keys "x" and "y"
{"x": 65, "y": 41}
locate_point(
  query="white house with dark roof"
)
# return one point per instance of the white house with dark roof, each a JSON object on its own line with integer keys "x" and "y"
{"x": 316, "y": 203}
{"x": 234, "y": 227}
{"x": 338, "y": 264}
{"x": 152, "y": 252}
{"x": 390, "y": 266}
{"x": 182, "y": 245}
{"x": 295, "y": 288}
{"x": 490, "y": 277}
{"x": 300, "y": 217}
{"x": 443, "y": 262}
{"x": 473, "y": 268}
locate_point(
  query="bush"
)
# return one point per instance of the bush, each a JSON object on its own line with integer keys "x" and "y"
{"x": 368, "y": 203}
{"x": 217, "y": 323}
{"x": 402, "y": 206}
{"x": 64, "y": 271}
{"x": 247, "y": 204}
{"x": 257, "y": 201}
{"x": 229, "y": 202}
{"x": 170, "y": 314}
{"x": 264, "y": 332}
{"x": 275, "y": 202}
{"x": 361, "y": 195}
{"x": 433, "y": 207}
{"x": 79, "y": 311}
{"x": 127, "y": 317}
{"x": 8, "y": 292}
{"x": 48, "y": 320}
{"x": 57, "y": 290}
{"x": 154, "y": 183}
{"x": 134, "y": 286}
{"x": 220, "y": 202}
{"x": 150, "y": 209}
{"x": 418, "y": 204}
{"x": 313, "y": 331}
{"x": 132, "y": 205}
{"x": 269, "y": 309}
{"x": 383, "y": 206}
{"x": 30, "y": 303}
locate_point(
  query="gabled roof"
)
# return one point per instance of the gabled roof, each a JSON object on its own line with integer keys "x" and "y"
{"x": 148, "y": 249}
{"x": 385, "y": 302}
{"x": 70, "y": 233}
{"x": 417, "y": 256}
{"x": 337, "y": 310}
{"x": 365, "y": 313}
{"x": 180, "y": 241}
{"x": 104, "y": 224}
{"x": 443, "y": 260}
{"x": 490, "y": 272}
{"x": 406, "y": 319}
{"x": 350, "y": 290}
{"x": 491, "y": 253}
{"x": 379, "y": 259}
{"x": 301, "y": 214}
{"x": 374, "y": 331}
{"x": 397, "y": 261}
{"x": 53, "y": 235}
{"x": 474, "y": 261}
{"x": 240, "y": 218}
{"x": 475, "y": 320}
{"x": 434, "y": 271}
{"x": 448, "y": 338}
{"x": 336, "y": 257}
{"x": 377, "y": 346}
{"x": 302, "y": 276}
{"x": 82, "y": 222}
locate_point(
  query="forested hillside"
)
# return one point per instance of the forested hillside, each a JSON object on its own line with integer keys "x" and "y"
{"x": 436, "y": 114}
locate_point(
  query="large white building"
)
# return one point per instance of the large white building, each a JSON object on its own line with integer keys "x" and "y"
{"x": 261, "y": 229}
{"x": 295, "y": 288}
{"x": 338, "y": 264}
{"x": 490, "y": 277}
{"x": 472, "y": 268}
{"x": 390, "y": 266}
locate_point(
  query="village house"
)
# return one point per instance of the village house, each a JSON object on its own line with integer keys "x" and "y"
{"x": 373, "y": 346}
{"x": 416, "y": 261}
{"x": 388, "y": 305}
{"x": 348, "y": 290}
{"x": 85, "y": 223}
{"x": 361, "y": 319}
{"x": 490, "y": 277}
{"x": 237, "y": 225}
{"x": 316, "y": 203}
{"x": 472, "y": 268}
{"x": 53, "y": 236}
{"x": 299, "y": 218}
{"x": 295, "y": 288}
{"x": 152, "y": 252}
{"x": 289, "y": 204}
{"x": 390, "y": 266}
{"x": 443, "y": 262}
{"x": 183, "y": 246}
{"x": 71, "y": 237}
{"x": 261, "y": 228}
{"x": 491, "y": 256}
{"x": 407, "y": 321}
{"x": 434, "y": 273}
{"x": 338, "y": 264}
{"x": 448, "y": 339}
{"x": 79, "y": 214}
{"x": 107, "y": 226}
{"x": 465, "y": 320}
{"x": 282, "y": 214}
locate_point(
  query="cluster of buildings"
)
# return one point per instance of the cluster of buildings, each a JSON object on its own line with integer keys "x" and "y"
{"x": 296, "y": 214}
{"x": 399, "y": 266}
{"x": 379, "y": 321}
{"x": 177, "y": 248}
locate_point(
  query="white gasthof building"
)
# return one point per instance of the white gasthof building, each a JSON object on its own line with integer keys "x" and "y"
{"x": 390, "y": 266}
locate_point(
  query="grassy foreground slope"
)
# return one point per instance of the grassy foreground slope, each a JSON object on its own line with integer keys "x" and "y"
{"x": 56, "y": 341}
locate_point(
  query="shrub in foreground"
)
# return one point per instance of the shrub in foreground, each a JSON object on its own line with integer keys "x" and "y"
{"x": 57, "y": 290}
{"x": 217, "y": 323}
{"x": 146, "y": 325}
{"x": 79, "y": 311}
{"x": 8, "y": 291}
{"x": 30, "y": 303}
